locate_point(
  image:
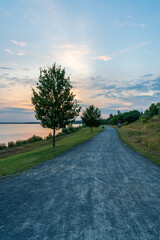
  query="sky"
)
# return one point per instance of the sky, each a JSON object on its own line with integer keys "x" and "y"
{"x": 109, "y": 48}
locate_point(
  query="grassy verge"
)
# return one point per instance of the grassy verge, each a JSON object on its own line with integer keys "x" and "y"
{"x": 143, "y": 138}
{"x": 34, "y": 153}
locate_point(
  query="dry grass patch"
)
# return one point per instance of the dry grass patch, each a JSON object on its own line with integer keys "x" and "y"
{"x": 144, "y": 138}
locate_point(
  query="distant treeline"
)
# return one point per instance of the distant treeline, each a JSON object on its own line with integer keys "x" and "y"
{"x": 132, "y": 116}
{"x": 20, "y": 123}
{"x": 75, "y": 122}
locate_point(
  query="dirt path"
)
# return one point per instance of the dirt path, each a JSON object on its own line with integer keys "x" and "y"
{"x": 100, "y": 190}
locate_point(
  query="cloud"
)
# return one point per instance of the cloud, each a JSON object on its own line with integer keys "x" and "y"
{"x": 21, "y": 53}
{"x": 67, "y": 46}
{"x": 9, "y": 51}
{"x": 2, "y": 85}
{"x": 34, "y": 22}
{"x": 142, "y": 25}
{"x": 18, "y": 52}
{"x": 22, "y": 44}
{"x": 104, "y": 58}
{"x": 74, "y": 49}
{"x": 72, "y": 57}
{"x": 128, "y": 23}
{"x": 25, "y": 69}
{"x": 16, "y": 110}
{"x": 156, "y": 85}
{"x": 147, "y": 75}
{"x": 147, "y": 88}
{"x": 111, "y": 95}
{"x": 120, "y": 24}
{"x": 109, "y": 87}
{"x": 141, "y": 44}
{"x": 79, "y": 101}
{"x": 137, "y": 45}
{"x": 26, "y": 81}
{"x": 6, "y": 68}
{"x": 120, "y": 95}
{"x": 124, "y": 94}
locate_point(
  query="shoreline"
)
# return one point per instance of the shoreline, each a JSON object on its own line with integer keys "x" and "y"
{"x": 76, "y": 122}
{"x": 32, "y": 154}
{"x": 15, "y": 132}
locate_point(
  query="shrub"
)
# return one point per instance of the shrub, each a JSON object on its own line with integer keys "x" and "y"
{"x": 2, "y": 146}
{"x": 72, "y": 129}
{"x": 68, "y": 130}
{"x": 20, "y": 142}
{"x": 34, "y": 139}
{"x": 11, "y": 144}
{"x": 65, "y": 130}
{"x": 61, "y": 134}
{"x": 49, "y": 136}
{"x": 144, "y": 119}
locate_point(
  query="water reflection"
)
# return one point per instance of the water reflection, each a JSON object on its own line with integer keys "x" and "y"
{"x": 14, "y": 132}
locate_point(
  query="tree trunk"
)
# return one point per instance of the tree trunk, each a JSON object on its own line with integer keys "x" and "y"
{"x": 54, "y": 137}
{"x": 91, "y": 130}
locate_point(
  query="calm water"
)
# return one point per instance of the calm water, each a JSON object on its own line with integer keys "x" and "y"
{"x": 13, "y": 132}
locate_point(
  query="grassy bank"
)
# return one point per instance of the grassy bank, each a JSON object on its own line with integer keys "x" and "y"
{"x": 31, "y": 154}
{"x": 144, "y": 138}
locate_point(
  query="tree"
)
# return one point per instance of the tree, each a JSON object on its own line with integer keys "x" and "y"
{"x": 153, "y": 109}
{"x": 54, "y": 102}
{"x": 118, "y": 113}
{"x": 91, "y": 117}
{"x": 126, "y": 117}
{"x": 158, "y": 106}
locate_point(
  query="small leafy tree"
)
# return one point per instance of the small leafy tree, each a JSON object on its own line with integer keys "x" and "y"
{"x": 91, "y": 117}
{"x": 153, "y": 109}
{"x": 54, "y": 102}
{"x": 158, "y": 106}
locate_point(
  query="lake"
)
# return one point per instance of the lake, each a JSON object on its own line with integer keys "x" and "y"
{"x": 14, "y": 132}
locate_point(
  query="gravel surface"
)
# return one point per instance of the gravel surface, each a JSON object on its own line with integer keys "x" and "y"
{"x": 99, "y": 190}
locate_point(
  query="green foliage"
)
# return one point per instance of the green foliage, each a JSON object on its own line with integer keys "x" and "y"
{"x": 34, "y": 139}
{"x": 37, "y": 152}
{"x": 153, "y": 110}
{"x": 159, "y": 112}
{"x": 49, "y": 136}
{"x": 126, "y": 118}
{"x": 20, "y": 142}
{"x": 54, "y": 102}
{"x": 61, "y": 134}
{"x": 91, "y": 117}
{"x": 11, "y": 144}
{"x": 2, "y": 146}
{"x": 132, "y": 116}
{"x": 69, "y": 130}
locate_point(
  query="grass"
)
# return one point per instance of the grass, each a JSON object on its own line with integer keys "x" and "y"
{"x": 143, "y": 137}
{"x": 27, "y": 156}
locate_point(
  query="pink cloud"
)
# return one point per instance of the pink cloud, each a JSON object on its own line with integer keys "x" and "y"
{"x": 22, "y": 44}
{"x": 21, "y": 53}
{"x": 9, "y": 51}
{"x": 67, "y": 46}
{"x": 104, "y": 58}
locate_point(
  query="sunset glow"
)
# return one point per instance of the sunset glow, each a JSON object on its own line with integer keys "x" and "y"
{"x": 110, "y": 50}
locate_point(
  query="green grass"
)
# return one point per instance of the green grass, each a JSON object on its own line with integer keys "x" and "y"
{"x": 33, "y": 153}
{"x": 143, "y": 137}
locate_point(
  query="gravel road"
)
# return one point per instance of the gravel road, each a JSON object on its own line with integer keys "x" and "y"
{"x": 100, "y": 190}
